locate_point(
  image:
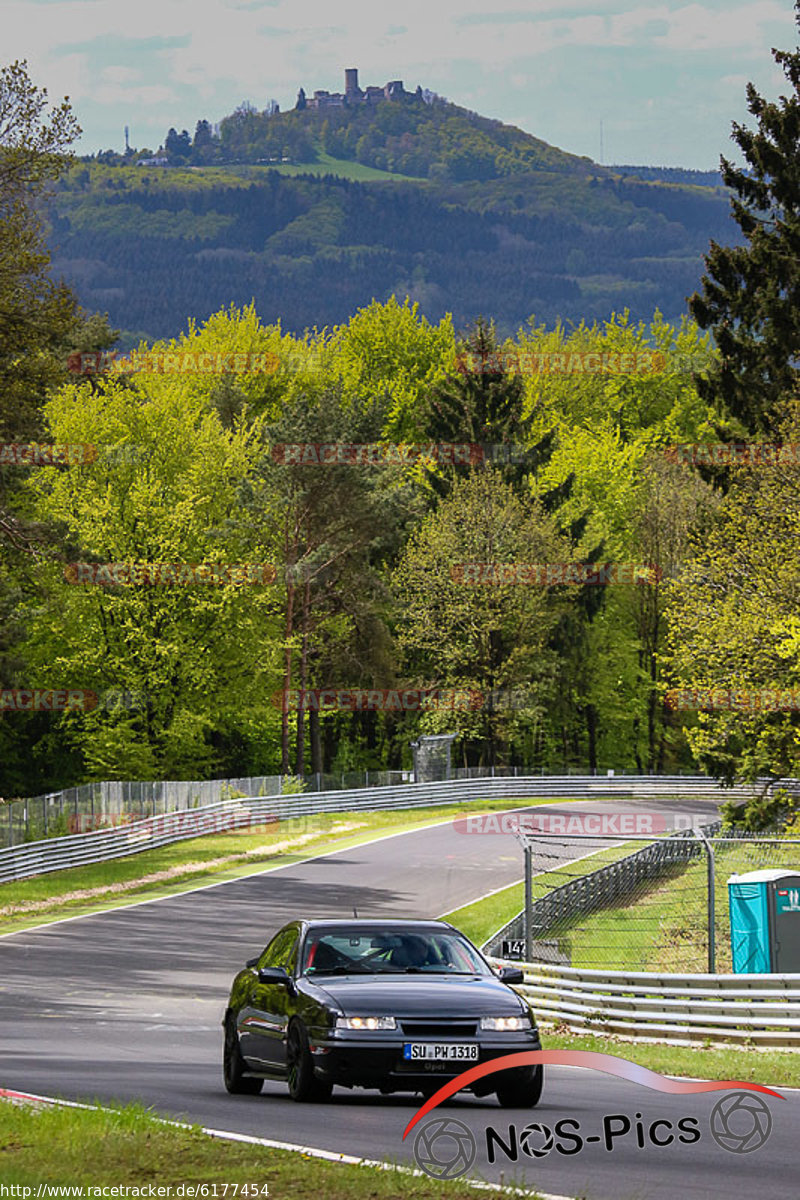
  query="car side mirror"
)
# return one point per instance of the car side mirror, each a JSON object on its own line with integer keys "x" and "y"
{"x": 274, "y": 975}
{"x": 511, "y": 975}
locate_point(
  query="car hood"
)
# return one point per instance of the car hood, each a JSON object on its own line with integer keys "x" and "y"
{"x": 424, "y": 995}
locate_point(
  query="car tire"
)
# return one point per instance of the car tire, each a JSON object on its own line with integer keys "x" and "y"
{"x": 303, "y": 1083}
{"x": 234, "y": 1066}
{"x": 525, "y": 1091}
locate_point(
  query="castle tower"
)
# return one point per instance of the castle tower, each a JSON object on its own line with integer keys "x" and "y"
{"x": 351, "y": 87}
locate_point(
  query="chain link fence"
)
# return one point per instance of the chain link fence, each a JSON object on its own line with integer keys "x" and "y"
{"x": 619, "y": 907}
{"x": 114, "y": 802}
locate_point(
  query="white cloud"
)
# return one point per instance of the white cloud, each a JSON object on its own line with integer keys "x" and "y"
{"x": 168, "y": 62}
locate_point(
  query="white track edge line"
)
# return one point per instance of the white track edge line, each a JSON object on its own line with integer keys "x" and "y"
{"x": 254, "y": 874}
{"x": 311, "y": 1151}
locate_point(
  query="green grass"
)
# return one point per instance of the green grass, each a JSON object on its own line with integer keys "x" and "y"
{"x": 326, "y": 165}
{"x": 740, "y": 1062}
{"x": 482, "y": 918}
{"x": 130, "y": 1146}
{"x": 746, "y": 1064}
{"x": 664, "y": 927}
{"x": 212, "y": 858}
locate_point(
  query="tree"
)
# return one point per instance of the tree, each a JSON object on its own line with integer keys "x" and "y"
{"x": 750, "y": 294}
{"x": 733, "y": 628}
{"x": 480, "y": 404}
{"x": 40, "y": 323}
{"x": 391, "y": 356}
{"x": 488, "y": 637}
{"x": 202, "y": 655}
{"x": 203, "y": 144}
{"x": 331, "y": 526}
{"x": 178, "y": 146}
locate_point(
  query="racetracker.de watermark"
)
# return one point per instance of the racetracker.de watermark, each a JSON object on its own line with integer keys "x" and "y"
{"x": 331, "y": 454}
{"x": 752, "y": 454}
{"x": 496, "y": 574}
{"x": 35, "y": 454}
{"x": 737, "y": 699}
{"x": 176, "y": 362}
{"x": 404, "y": 699}
{"x": 611, "y": 824}
{"x": 31, "y": 699}
{"x": 565, "y": 362}
{"x": 124, "y": 574}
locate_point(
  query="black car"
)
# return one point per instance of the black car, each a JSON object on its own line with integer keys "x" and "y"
{"x": 401, "y": 1006}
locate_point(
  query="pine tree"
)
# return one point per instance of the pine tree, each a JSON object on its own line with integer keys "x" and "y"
{"x": 751, "y": 295}
{"x": 480, "y": 405}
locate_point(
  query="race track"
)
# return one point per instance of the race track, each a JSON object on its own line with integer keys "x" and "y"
{"x": 127, "y": 1005}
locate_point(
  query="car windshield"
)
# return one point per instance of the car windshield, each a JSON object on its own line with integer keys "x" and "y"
{"x": 378, "y": 952}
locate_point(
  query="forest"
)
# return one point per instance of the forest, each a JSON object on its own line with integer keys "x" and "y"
{"x": 312, "y": 213}
{"x": 275, "y": 542}
{"x": 152, "y": 247}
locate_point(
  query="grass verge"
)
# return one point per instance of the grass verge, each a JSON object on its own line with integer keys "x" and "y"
{"x": 168, "y": 870}
{"x": 97, "y": 1148}
{"x": 484, "y": 917}
{"x": 683, "y": 909}
{"x": 663, "y": 926}
{"x": 748, "y": 1064}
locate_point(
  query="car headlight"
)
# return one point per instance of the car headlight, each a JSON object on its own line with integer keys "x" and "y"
{"x": 366, "y": 1023}
{"x": 506, "y": 1024}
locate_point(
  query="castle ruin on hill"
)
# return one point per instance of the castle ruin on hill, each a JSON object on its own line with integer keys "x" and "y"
{"x": 352, "y": 94}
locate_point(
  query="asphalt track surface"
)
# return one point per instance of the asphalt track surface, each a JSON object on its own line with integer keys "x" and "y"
{"x": 126, "y": 1005}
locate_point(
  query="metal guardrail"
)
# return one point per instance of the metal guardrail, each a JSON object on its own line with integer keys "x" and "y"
{"x": 93, "y": 805}
{"x": 52, "y": 854}
{"x": 101, "y": 845}
{"x": 605, "y": 886}
{"x": 682, "y": 1009}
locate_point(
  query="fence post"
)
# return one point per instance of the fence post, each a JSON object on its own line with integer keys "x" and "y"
{"x": 711, "y": 898}
{"x": 528, "y": 905}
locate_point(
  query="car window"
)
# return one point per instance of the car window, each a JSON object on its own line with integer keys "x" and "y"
{"x": 376, "y": 951}
{"x": 290, "y": 960}
{"x": 281, "y": 950}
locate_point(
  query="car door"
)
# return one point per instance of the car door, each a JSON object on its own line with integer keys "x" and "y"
{"x": 264, "y": 1019}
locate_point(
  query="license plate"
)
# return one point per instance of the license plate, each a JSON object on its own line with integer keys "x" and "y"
{"x": 441, "y": 1051}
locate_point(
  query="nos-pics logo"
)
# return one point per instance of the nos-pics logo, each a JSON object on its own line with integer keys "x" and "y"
{"x": 445, "y": 1148}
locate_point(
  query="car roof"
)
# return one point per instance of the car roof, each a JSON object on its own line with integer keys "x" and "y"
{"x": 372, "y": 922}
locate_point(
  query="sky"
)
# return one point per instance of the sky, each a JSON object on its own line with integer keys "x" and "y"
{"x": 660, "y": 83}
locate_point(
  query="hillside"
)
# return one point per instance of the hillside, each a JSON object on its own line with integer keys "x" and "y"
{"x": 459, "y": 212}
{"x": 408, "y": 136}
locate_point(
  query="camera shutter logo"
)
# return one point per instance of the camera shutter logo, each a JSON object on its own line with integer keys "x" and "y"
{"x": 533, "y": 1133}
{"x": 740, "y": 1122}
{"x": 444, "y": 1148}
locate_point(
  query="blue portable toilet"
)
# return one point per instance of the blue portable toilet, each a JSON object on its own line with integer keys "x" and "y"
{"x": 763, "y": 941}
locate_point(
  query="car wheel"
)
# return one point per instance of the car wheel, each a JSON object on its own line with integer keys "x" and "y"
{"x": 233, "y": 1065}
{"x": 303, "y": 1083}
{"x": 525, "y": 1091}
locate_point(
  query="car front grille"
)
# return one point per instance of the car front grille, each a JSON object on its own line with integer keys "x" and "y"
{"x": 441, "y": 1029}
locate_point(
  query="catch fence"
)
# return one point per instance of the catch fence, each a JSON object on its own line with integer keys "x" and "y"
{"x": 662, "y": 907}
